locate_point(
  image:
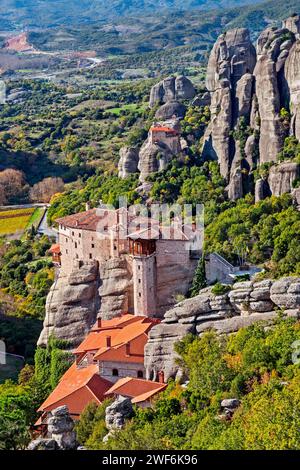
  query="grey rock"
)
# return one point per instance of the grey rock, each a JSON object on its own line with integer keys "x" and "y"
{"x": 231, "y": 403}
{"x": 230, "y": 81}
{"x": 291, "y": 74}
{"x": 117, "y": 413}
{"x": 292, "y": 23}
{"x": 262, "y": 189}
{"x": 61, "y": 434}
{"x": 43, "y": 444}
{"x": 282, "y": 177}
{"x": 128, "y": 163}
{"x": 72, "y": 306}
{"x": 247, "y": 303}
{"x": 202, "y": 100}
{"x": 170, "y": 110}
{"x": 171, "y": 88}
{"x": 235, "y": 187}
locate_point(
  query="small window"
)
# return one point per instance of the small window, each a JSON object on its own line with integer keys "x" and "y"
{"x": 66, "y": 240}
{"x": 139, "y": 267}
{"x": 115, "y": 372}
{"x": 79, "y": 235}
{"x": 77, "y": 256}
{"x": 66, "y": 252}
{"x": 75, "y": 244}
{"x": 91, "y": 256}
{"x": 140, "y": 295}
{"x": 73, "y": 234}
{"x": 140, "y": 374}
{"x": 139, "y": 281}
{"x": 115, "y": 247}
{"x": 93, "y": 245}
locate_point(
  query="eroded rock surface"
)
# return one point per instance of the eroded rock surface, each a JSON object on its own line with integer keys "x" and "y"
{"x": 247, "y": 303}
{"x": 128, "y": 163}
{"x": 72, "y": 305}
{"x": 170, "y": 89}
{"x": 259, "y": 89}
{"x": 60, "y": 432}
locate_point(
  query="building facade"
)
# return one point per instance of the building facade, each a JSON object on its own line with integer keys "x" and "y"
{"x": 159, "y": 265}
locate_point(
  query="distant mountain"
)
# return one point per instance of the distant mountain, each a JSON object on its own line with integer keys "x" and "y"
{"x": 22, "y": 14}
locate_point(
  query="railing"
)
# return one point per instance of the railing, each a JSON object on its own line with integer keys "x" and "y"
{"x": 223, "y": 261}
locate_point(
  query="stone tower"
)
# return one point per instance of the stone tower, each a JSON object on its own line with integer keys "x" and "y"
{"x": 143, "y": 254}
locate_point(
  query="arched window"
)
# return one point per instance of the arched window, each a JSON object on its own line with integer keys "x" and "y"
{"x": 140, "y": 374}
{"x": 115, "y": 372}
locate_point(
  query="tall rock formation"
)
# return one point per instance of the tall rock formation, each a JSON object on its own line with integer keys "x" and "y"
{"x": 229, "y": 80}
{"x": 272, "y": 50}
{"x": 72, "y": 306}
{"x": 253, "y": 94}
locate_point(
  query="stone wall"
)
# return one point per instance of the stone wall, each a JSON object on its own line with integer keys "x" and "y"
{"x": 125, "y": 369}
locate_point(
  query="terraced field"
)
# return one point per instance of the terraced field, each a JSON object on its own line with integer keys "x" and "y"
{"x": 17, "y": 220}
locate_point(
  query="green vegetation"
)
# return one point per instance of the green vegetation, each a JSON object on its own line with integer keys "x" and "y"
{"x": 263, "y": 233}
{"x": 19, "y": 402}
{"x": 291, "y": 150}
{"x": 26, "y": 275}
{"x": 199, "y": 280}
{"x": 220, "y": 289}
{"x": 99, "y": 187}
{"x": 254, "y": 365}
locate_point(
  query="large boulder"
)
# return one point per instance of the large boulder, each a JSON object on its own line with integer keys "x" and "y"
{"x": 115, "y": 287}
{"x": 272, "y": 52}
{"x": 61, "y": 434}
{"x": 170, "y": 89}
{"x": 117, "y": 413}
{"x": 153, "y": 157}
{"x": 170, "y": 110}
{"x": 292, "y": 24}
{"x": 292, "y": 73}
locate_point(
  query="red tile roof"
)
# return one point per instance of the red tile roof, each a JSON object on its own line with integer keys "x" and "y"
{"x": 55, "y": 249}
{"x": 126, "y": 329}
{"x": 77, "y": 388}
{"x": 168, "y": 130}
{"x": 137, "y": 389}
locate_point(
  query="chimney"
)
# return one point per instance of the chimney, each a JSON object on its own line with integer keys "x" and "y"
{"x": 108, "y": 341}
{"x": 127, "y": 346}
{"x": 87, "y": 206}
{"x": 99, "y": 322}
{"x": 161, "y": 377}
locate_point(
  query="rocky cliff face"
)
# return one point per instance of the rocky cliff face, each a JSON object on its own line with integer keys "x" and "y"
{"x": 74, "y": 302}
{"x": 116, "y": 287}
{"x": 230, "y": 82}
{"x": 246, "y": 303}
{"x": 128, "y": 163}
{"x": 72, "y": 306}
{"x": 248, "y": 90}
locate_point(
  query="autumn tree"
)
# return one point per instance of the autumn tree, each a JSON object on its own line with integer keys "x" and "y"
{"x": 12, "y": 185}
{"x": 45, "y": 189}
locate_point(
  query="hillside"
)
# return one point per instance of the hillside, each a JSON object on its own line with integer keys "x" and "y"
{"x": 49, "y": 13}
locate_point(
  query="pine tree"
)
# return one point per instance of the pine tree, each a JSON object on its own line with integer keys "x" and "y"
{"x": 199, "y": 281}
